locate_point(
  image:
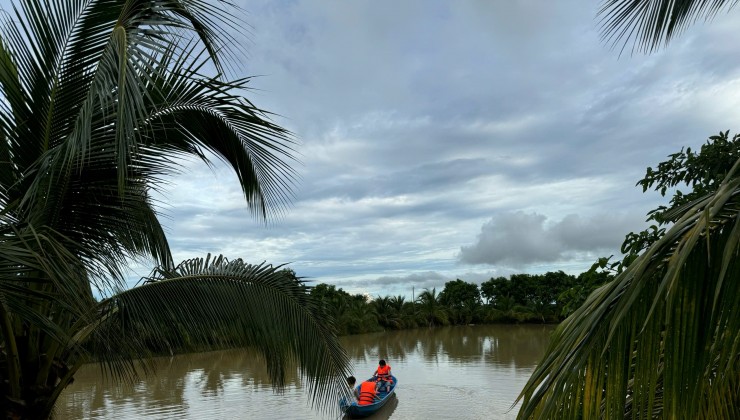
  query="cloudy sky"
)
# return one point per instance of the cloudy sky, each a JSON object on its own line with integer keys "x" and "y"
{"x": 465, "y": 139}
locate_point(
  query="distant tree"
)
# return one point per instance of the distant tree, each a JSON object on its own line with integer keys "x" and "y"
{"x": 572, "y": 298}
{"x": 410, "y": 315}
{"x": 333, "y": 304}
{"x": 549, "y": 288}
{"x": 430, "y": 309}
{"x": 397, "y": 303}
{"x": 523, "y": 297}
{"x": 497, "y": 290}
{"x": 399, "y": 311}
{"x": 462, "y": 300}
{"x": 523, "y": 289}
{"x": 360, "y": 317}
{"x": 385, "y": 313}
{"x": 459, "y": 293}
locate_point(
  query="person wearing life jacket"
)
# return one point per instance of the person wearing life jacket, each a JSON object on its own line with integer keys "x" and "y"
{"x": 368, "y": 394}
{"x": 383, "y": 375}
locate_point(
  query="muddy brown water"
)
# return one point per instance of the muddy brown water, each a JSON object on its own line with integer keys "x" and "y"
{"x": 470, "y": 372}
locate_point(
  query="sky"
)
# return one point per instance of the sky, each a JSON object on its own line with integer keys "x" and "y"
{"x": 468, "y": 139}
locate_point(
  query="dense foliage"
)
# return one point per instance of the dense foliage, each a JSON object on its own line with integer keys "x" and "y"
{"x": 690, "y": 176}
{"x": 661, "y": 339}
{"x": 523, "y": 298}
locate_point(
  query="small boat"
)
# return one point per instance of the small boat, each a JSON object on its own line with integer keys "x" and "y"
{"x": 355, "y": 410}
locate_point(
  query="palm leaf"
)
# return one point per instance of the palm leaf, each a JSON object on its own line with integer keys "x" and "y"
{"x": 215, "y": 303}
{"x": 651, "y": 23}
{"x": 661, "y": 338}
{"x": 109, "y": 124}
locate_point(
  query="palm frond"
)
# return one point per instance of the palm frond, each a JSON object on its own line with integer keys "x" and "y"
{"x": 98, "y": 98}
{"x": 213, "y": 303}
{"x": 101, "y": 95}
{"x": 662, "y": 336}
{"x": 652, "y": 23}
{"x": 212, "y": 114}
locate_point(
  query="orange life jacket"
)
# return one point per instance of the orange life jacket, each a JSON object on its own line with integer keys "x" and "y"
{"x": 384, "y": 373}
{"x": 367, "y": 393}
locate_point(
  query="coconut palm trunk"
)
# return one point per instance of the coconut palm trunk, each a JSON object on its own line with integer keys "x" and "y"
{"x": 98, "y": 100}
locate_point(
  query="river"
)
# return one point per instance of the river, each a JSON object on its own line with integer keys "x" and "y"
{"x": 469, "y": 372}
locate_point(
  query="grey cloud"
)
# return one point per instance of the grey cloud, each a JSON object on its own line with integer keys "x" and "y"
{"x": 428, "y": 177}
{"x": 414, "y": 283}
{"x": 524, "y": 238}
{"x": 428, "y": 279}
{"x": 446, "y": 74}
{"x": 418, "y": 121}
{"x": 404, "y": 285}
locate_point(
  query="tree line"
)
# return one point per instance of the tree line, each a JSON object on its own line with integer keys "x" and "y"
{"x": 522, "y": 298}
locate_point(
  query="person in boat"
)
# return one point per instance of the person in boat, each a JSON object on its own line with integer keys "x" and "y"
{"x": 368, "y": 393}
{"x": 383, "y": 375}
{"x": 351, "y": 381}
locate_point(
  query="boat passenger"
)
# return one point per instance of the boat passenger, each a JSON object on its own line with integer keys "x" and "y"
{"x": 351, "y": 381}
{"x": 368, "y": 395}
{"x": 383, "y": 375}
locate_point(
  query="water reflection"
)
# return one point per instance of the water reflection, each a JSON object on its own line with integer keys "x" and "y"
{"x": 504, "y": 344}
{"x": 478, "y": 369}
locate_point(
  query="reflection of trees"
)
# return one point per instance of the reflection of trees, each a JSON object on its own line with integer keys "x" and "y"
{"x": 521, "y": 345}
{"x": 205, "y": 372}
{"x": 90, "y": 394}
{"x": 392, "y": 345}
{"x": 211, "y": 374}
{"x": 216, "y": 368}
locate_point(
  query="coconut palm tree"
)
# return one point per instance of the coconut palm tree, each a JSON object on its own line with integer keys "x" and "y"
{"x": 98, "y": 100}
{"x": 388, "y": 316}
{"x": 404, "y": 319}
{"x": 359, "y": 316}
{"x": 430, "y": 309}
{"x": 661, "y": 339}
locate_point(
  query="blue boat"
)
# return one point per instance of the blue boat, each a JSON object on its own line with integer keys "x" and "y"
{"x": 355, "y": 410}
